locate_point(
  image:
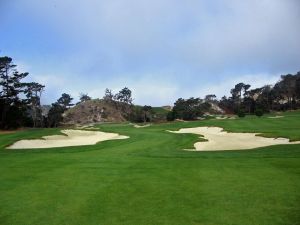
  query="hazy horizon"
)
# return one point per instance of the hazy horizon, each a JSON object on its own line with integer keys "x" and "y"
{"x": 161, "y": 50}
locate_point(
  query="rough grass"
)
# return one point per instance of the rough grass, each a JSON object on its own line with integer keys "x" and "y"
{"x": 148, "y": 179}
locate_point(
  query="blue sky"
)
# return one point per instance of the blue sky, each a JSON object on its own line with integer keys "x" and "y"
{"x": 161, "y": 49}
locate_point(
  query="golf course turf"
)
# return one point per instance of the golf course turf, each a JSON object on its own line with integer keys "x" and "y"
{"x": 149, "y": 179}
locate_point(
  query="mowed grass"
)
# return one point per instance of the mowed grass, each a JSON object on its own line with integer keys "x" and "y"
{"x": 149, "y": 179}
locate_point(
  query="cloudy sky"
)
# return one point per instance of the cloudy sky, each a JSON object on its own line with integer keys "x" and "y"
{"x": 161, "y": 49}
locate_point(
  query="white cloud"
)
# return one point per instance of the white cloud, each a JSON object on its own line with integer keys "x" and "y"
{"x": 198, "y": 33}
{"x": 223, "y": 87}
{"x": 146, "y": 89}
{"x": 162, "y": 49}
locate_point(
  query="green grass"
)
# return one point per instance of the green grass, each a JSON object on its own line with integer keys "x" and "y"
{"x": 160, "y": 110}
{"x": 148, "y": 179}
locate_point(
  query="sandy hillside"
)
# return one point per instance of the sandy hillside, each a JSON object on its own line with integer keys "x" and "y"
{"x": 93, "y": 111}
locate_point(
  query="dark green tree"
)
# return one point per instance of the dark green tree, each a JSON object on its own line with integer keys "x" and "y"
{"x": 210, "y": 98}
{"x": 84, "y": 97}
{"x": 189, "y": 109}
{"x": 108, "y": 96}
{"x": 65, "y": 101}
{"x": 298, "y": 87}
{"x": 227, "y": 104}
{"x": 11, "y": 86}
{"x": 285, "y": 92}
{"x": 33, "y": 92}
{"x": 259, "y": 112}
{"x": 170, "y": 116}
{"x": 124, "y": 96}
{"x": 237, "y": 93}
{"x": 123, "y": 101}
{"x": 55, "y": 115}
{"x": 147, "y": 111}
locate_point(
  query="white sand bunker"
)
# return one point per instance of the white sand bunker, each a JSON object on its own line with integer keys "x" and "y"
{"x": 71, "y": 138}
{"x": 141, "y": 126}
{"x": 275, "y": 117}
{"x": 219, "y": 140}
{"x": 225, "y": 118}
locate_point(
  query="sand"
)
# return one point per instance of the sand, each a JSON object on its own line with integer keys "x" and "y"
{"x": 219, "y": 140}
{"x": 71, "y": 138}
{"x": 225, "y": 118}
{"x": 275, "y": 117}
{"x": 142, "y": 126}
{"x": 221, "y": 118}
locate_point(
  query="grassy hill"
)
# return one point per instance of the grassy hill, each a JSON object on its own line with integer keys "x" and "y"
{"x": 160, "y": 113}
{"x": 149, "y": 179}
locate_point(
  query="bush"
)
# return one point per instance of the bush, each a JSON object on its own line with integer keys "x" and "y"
{"x": 170, "y": 116}
{"x": 259, "y": 112}
{"x": 241, "y": 113}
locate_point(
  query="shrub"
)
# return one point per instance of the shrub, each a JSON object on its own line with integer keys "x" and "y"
{"x": 259, "y": 112}
{"x": 170, "y": 116}
{"x": 241, "y": 113}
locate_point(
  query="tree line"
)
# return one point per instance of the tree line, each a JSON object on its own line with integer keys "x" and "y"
{"x": 284, "y": 95}
{"x": 20, "y": 101}
{"x": 17, "y": 97}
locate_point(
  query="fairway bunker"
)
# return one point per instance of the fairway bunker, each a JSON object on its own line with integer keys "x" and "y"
{"x": 142, "y": 126}
{"x": 218, "y": 140}
{"x": 225, "y": 118}
{"x": 69, "y": 138}
{"x": 275, "y": 117}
